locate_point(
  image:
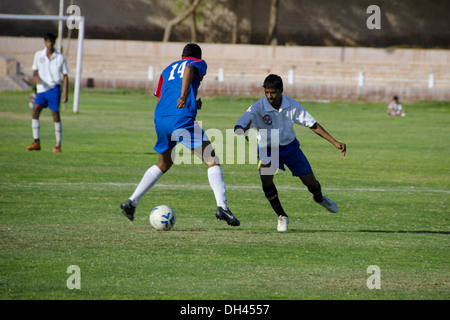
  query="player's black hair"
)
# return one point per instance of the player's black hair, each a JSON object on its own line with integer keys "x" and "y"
{"x": 50, "y": 36}
{"x": 192, "y": 50}
{"x": 273, "y": 81}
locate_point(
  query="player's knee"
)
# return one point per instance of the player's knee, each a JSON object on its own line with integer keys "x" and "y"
{"x": 35, "y": 112}
{"x": 211, "y": 161}
{"x": 164, "y": 165}
{"x": 209, "y": 156}
{"x": 56, "y": 116}
{"x": 309, "y": 180}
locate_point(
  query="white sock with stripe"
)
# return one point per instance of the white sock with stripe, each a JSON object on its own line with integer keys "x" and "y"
{"x": 35, "y": 125}
{"x": 58, "y": 133}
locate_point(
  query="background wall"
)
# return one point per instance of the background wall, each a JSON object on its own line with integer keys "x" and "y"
{"x": 324, "y": 73}
{"x": 411, "y": 23}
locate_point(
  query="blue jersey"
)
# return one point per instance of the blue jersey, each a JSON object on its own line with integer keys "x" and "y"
{"x": 169, "y": 88}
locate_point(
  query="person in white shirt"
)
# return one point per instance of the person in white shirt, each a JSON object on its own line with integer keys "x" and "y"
{"x": 274, "y": 117}
{"x": 48, "y": 66}
{"x": 395, "y": 109}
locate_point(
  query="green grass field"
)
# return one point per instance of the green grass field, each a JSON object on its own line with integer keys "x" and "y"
{"x": 59, "y": 210}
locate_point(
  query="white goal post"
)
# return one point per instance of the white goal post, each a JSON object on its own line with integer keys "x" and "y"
{"x": 80, "y": 19}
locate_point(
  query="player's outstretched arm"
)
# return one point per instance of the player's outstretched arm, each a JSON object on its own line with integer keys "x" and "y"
{"x": 318, "y": 129}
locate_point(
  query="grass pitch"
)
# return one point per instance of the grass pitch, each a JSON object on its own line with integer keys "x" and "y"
{"x": 59, "y": 210}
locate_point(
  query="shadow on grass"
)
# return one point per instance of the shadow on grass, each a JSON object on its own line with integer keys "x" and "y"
{"x": 405, "y": 231}
{"x": 371, "y": 231}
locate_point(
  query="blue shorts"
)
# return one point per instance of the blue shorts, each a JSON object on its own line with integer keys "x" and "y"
{"x": 290, "y": 155}
{"x": 50, "y": 98}
{"x": 185, "y": 130}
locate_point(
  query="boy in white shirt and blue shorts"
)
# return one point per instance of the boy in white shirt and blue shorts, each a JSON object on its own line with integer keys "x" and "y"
{"x": 274, "y": 117}
{"x": 48, "y": 66}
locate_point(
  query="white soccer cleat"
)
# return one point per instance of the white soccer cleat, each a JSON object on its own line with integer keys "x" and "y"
{"x": 283, "y": 222}
{"x": 328, "y": 204}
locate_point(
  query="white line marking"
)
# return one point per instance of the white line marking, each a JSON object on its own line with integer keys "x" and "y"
{"x": 229, "y": 187}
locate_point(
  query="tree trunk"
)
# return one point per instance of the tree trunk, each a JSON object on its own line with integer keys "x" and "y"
{"x": 177, "y": 20}
{"x": 273, "y": 19}
{"x": 193, "y": 25}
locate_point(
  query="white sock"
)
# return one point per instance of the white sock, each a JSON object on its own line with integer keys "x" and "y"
{"x": 58, "y": 132}
{"x": 35, "y": 125}
{"x": 148, "y": 180}
{"x": 215, "y": 177}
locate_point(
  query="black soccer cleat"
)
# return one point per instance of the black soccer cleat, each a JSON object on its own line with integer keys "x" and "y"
{"x": 228, "y": 216}
{"x": 128, "y": 209}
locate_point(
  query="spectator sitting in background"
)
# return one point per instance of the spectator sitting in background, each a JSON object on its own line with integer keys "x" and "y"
{"x": 395, "y": 108}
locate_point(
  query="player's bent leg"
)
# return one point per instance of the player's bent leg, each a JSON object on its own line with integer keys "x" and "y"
{"x": 207, "y": 154}
{"x": 165, "y": 161}
{"x": 266, "y": 179}
{"x": 271, "y": 194}
{"x": 58, "y": 130}
{"x": 35, "y": 113}
{"x": 56, "y": 116}
{"x": 309, "y": 180}
{"x": 217, "y": 183}
{"x": 35, "y": 125}
{"x": 314, "y": 187}
{"x": 151, "y": 176}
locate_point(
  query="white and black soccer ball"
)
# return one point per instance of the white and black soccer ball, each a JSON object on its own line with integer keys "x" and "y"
{"x": 162, "y": 217}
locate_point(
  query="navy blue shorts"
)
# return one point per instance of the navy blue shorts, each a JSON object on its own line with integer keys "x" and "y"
{"x": 290, "y": 155}
{"x": 185, "y": 130}
{"x": 50, "y": 98}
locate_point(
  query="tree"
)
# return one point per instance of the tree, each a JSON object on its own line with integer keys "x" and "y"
{"x": 178, "y": 19}
{"x": 273, "y": 20}
{"x": 193, "y": 25}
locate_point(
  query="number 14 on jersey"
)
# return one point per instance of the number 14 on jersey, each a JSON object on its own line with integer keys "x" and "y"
{"x": 180, "y": 70}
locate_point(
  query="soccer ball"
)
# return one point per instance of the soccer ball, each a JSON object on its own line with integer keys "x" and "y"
{"x": 162, "y": 217}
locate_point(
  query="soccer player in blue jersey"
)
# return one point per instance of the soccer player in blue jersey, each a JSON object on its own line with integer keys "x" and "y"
{"x": 174, "y": 119}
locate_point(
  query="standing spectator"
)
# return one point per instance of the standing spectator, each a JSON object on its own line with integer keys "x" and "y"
{"x": 48, "y": 66}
